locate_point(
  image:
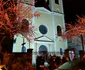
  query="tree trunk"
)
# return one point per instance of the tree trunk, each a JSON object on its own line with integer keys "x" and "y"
{"x": 82, "y": 41}
{"x": 6, "y": 44}
{"x": 1, "y": 43}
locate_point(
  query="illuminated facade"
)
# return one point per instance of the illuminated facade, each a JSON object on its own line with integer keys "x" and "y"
{"x": 49, "y": 27}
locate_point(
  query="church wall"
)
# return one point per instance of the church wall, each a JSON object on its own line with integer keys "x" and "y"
{"x": 18, "y": 44}
{"x": 51, "y": 21}
{"x": 44, "y": 19}
{"x": 60, "y": 43}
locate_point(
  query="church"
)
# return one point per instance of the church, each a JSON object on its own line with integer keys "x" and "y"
{"x": 49, "y": 27}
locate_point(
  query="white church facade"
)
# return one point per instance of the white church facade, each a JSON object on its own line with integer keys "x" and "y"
{"x": 49, "y": 27}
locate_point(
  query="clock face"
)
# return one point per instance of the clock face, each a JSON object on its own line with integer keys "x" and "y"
{"x": 43, "y": 29}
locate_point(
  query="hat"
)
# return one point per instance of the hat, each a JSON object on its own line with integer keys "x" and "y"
{"x": 23, "y": 43}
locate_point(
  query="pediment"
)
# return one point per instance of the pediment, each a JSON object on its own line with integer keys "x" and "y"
{"x": 43, "y": 39}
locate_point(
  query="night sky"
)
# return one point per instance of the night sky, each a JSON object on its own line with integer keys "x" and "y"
{"x": 72, "y": 8}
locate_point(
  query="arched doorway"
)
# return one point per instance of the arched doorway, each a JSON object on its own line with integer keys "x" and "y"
{"x": 43, "y": 52}
{"x": 42, "y": 57}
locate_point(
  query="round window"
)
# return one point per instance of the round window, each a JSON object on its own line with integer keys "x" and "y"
{"x": 43, "y": 29}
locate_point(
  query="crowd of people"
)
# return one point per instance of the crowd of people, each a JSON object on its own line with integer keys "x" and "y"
{"x": 53, "y": 61}
{"x": 18, "y": 62}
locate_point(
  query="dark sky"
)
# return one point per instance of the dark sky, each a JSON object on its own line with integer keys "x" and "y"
{"x": 72, "y": 8}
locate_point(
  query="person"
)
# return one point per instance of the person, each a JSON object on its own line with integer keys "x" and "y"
{"x": 83, "y": 57}
{"x": 23, "y": 48}
{"x": 65, "y": 59}
{"x": 58, "y": 61}
{"x": 74, "y": 58}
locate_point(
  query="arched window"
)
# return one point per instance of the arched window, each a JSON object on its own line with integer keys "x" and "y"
{"x": 61, "y": 51}
{"x": 23, "y": 48}
{"x": 42, "y": 3}
{"x": 57, "y": 1}
{"x": 59, "y": 32}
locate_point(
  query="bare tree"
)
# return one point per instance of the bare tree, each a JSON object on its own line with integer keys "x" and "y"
{"x": 13, "y": 14}
{"x": 76, "y": 29}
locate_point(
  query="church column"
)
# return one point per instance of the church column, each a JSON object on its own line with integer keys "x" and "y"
{"x": 53, "y": 23}
{"x": 61, "y": 5}
{"x": 34, "y": 54}
{"x": 51, "y": 5}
